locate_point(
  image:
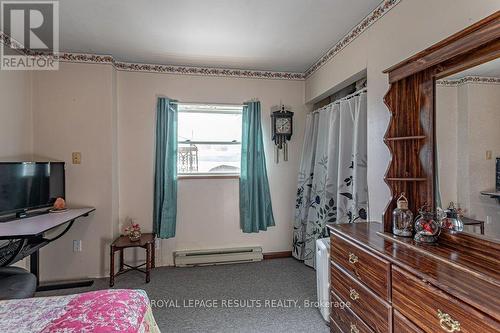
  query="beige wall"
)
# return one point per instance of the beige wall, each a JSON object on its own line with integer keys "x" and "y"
{"x": 447, "y": 142}
{"x": 468, "y": 122}
{"x": 74, "y": 111}
{"x": 208, "y": 214}
{"x": 408, "y": 28}
{"x": 109, "y": 117}
{"x": 16, "y": 125}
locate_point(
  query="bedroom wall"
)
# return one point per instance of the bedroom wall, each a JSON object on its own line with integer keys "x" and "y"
{"x": 408, "y": 28}
{"x": 484, "y": 134}
{"x": 75, "y": 111}
{"x": 109, "y": 116}
{"x": 468, "y": 119}
{"x": 16, "y": 125}
{"x": 208, "y": 209}
{"x": 447, "y": 141}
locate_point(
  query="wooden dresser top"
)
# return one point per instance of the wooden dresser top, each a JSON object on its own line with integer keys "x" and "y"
{"x": 463, "y": 270}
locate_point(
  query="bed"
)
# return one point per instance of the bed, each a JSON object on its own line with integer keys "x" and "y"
{"x": 113, "y": 310}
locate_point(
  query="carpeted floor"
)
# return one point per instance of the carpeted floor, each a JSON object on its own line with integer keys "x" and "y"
{"x": 268, "y": 296}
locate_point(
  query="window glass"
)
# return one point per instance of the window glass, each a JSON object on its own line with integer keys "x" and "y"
{"x": 209, "y": 139}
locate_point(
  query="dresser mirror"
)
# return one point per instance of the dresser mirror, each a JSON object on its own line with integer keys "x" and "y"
{"x": 467, "y": 147}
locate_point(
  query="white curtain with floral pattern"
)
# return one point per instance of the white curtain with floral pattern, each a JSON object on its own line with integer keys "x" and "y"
{"x": 332, "y": 185}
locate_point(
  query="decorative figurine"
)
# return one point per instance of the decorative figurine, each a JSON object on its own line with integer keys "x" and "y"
{"x": 133, "y": 231}
{"x": 452, "y": 221}
{"x": 402, "y": 218}
{"x": 426, "y": 228}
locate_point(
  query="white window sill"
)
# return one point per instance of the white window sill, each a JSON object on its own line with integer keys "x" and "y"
{"x": 208, "y": 176}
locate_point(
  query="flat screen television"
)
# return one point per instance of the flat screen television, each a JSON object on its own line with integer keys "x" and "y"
{"x": 27, "y": 186}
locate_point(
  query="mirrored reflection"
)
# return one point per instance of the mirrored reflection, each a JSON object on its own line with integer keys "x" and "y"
{"x": 468, "y": 149}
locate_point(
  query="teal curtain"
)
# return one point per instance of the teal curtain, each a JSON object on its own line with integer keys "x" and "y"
{"x": 165, "y": 188}
{"x": 256, "y": 211}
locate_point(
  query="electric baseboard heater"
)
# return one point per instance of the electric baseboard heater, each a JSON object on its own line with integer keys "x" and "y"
{"x": 191, "y": 258}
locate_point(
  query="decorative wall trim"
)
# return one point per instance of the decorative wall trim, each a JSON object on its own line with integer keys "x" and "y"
{"x": 384, "y": 7}
{"x": 468, "y": 79}
{"x": 155, "y": 68}
{"x": 373, "y": 17}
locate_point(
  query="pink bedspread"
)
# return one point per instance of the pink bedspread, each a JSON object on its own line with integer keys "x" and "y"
{"x": 117, "y": 310}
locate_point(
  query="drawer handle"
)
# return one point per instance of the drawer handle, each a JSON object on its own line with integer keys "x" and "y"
{"x": 353, "y": 294}
{"x": 353, "y": 258}
{"x": 354, "y": 329}
{"x": 447, "y": 323}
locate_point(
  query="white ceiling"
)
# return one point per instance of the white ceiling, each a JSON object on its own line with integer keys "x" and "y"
{"x": 275, "y": 35}
{"x": 488, "y": 69}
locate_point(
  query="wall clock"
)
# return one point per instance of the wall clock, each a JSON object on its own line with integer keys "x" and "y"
{"x": 282, "y": 130}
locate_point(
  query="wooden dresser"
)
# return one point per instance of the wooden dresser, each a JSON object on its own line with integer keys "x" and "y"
{"x": 396, "y": 285}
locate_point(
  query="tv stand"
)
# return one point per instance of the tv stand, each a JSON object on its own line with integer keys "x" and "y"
{"x": 27, "y": 238}
{"x": 21, "y": 215}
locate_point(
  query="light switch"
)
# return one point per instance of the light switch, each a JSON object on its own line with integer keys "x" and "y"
{"x": 77, "y": 158}
{"x": 489, "y": 154}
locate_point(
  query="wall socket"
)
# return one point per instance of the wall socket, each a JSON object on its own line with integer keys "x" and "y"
{"x": 77, "y": 246}
{"x": 76, "y": 157}
{"x": 489, "y": 154}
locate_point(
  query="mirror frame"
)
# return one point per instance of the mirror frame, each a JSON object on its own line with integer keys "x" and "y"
{"x": 411, "y": 101}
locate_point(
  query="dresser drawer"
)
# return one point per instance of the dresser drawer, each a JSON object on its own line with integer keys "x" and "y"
{"x": 401, "y": 324}
{"x": 433, "y": 310}
{"x": 345, "y": 320}
{"x": 373, "y": 271}
{"x": 370, "y": 308}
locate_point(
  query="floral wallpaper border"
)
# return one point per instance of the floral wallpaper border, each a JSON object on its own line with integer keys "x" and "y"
{"x": 468, "y": 79}
{"x": 374, "y": 16}
{"x": 154, "y": 68}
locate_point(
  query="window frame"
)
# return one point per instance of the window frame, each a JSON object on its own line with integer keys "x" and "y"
{"x": 209, "y": 175}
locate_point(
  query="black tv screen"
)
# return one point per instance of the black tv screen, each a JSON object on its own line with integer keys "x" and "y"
{"x": 30, "y": 185}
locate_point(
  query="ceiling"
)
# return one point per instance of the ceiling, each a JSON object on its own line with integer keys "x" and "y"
{"x": 488, "y": 69}
{"x": 277, "y": 35}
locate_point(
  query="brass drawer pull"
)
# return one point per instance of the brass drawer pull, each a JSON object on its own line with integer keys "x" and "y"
{"x": 353, "y": 258}
{"x": 354, "y": 329}
{"x": 447, "y": 323}
{"x": 353, "y": 294}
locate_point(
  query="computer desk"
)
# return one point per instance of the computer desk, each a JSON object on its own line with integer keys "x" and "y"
{"x": 27, "y": 238}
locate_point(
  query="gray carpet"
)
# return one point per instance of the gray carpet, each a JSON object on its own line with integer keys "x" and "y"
{"x": 253, "y": 285}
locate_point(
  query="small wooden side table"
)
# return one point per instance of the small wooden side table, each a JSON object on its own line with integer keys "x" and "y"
{"x": 469, "y": 221}
{"x": 147, "y": 242}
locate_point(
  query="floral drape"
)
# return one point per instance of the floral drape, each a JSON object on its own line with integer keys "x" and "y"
{"x": 332, "y": 184}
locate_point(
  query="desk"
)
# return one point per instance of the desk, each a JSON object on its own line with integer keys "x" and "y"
{"x": 28, "y": 233}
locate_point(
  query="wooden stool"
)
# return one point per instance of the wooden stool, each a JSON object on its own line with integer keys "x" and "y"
{"x": 147, "y": 242}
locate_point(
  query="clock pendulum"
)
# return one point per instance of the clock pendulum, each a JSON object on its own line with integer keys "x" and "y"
{"x": 282, "y": 130}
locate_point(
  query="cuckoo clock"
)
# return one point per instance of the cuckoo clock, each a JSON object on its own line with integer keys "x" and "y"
{"x": 282, "y": 129}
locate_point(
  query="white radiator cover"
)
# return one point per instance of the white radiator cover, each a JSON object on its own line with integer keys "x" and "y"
{"x": 191, "y": 258}
{"x": 323, "y": 276}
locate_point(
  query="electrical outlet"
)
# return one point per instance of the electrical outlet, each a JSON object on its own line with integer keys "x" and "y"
{"x": 489, "y": 154}
{"x": 77, "y": 157}
{"x": 77, "y": 245}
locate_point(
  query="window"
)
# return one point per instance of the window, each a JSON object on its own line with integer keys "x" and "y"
{"x": 209, "y": 139}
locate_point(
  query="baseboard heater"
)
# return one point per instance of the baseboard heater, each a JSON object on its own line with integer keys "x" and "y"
{"x": 191, "y": 258}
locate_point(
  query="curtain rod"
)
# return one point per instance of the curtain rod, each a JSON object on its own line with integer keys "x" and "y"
{"x": 354, "y": 94}
{"x": 216, "y": 104}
